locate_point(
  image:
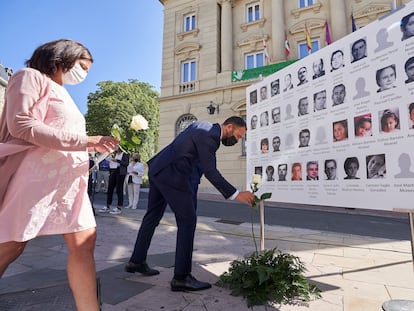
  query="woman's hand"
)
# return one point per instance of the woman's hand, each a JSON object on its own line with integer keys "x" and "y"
{"x": 102, "y": 144}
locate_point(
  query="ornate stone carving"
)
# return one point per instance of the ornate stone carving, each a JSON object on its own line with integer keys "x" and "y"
{"x": 312, "y": 23}
{"x": 187, "y": 48}
{"x": 259, "y": 22}
{"x": 193, "y": 32}
{"x": 372, "y": 11}
{"x": 315, "y": 8}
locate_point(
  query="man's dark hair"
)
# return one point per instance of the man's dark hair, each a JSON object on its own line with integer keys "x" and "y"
{"x": 358, "y": 41}
{"x": 237, "y": 121}
{"x": 409, "y": 62}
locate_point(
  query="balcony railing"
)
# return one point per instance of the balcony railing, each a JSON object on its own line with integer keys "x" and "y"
{"x": 187, "y": 87}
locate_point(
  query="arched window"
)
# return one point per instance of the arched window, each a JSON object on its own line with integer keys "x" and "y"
{"x": 183, "y": 122}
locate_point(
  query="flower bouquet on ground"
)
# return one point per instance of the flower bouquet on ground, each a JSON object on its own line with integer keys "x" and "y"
{"x": 268, "y": 276}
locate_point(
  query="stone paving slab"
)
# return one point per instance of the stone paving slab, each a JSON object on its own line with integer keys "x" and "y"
{"x": 354, "y": 272}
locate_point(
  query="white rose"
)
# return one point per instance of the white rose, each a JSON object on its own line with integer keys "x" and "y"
{"x": 139, "y": 123}
{"x": 256, "y": 179}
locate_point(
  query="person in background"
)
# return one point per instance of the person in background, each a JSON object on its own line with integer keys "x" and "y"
{"x": 386, "y": 78}
{"x": 264, "y": 145}
{"x": 118, "y": 164}
{"x": 351, "y": 167}
{"x": 276, "y": 115}
{"x": 303, "y": 106}
{"x": 319, "y": 101}
{"x": 338, "y": 94}
{"x": 363, "y": 127}
{"x": 276, "y": 143}
{"x": 304, "y": 138}
{"x": 376, "y": 166}
{"x": 409, "y": 70}
{"x": 264, "y": 119}
{"x": 270, "y": 170}
{"x": 330, "y": 169}
{"x": 274, "y": 88}
{"x": 282, "y": 171}
{"x": 407, "y": 26}
{"x": 103, "y": 176}
{"x": 43, "y": 188}
{"x": 302, "y": 73}
{"x": 312, "y": 170}
{"x": 288, "y": 83}
{"x": 170, "y": 179}
{"x": 296, "y": 171}
{"x": 340, "y": 130}
{"x": 253, "y": 122}
{"x": 359, "y": 50}
{"x": 389, "y": 121}
{"x": 318, "y": 69}
{"x": 92, "y": 177}
{"x": 135, "y": 171}
{"x": 337, "y": 60}
{"x": 411, "y": 112}
{"x": 263, "y": 93}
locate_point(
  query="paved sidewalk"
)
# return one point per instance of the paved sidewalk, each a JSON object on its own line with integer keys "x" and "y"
{"x": 354, "y": 272}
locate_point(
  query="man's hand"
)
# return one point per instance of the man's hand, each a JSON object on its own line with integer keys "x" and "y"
{"x": 246, "y": 197}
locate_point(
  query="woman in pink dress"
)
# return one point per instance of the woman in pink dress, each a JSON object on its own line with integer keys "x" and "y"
{"x": 44, "y": 164}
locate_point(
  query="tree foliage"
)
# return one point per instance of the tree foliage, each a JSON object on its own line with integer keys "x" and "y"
{"x": 116, "y": 103}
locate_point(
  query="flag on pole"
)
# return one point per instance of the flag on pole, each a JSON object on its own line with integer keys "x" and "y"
{"x": 327, "y": 33}
{"x": 354, "y": 27}
{"x": 308, "y": 40}
{"x": 287, "y": 46}
{"x": 266, "y": 53}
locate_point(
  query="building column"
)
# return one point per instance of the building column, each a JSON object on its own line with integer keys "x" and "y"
{"x": 338, "y": 19}
{"x": 226, "y": 36}
{"x": 278, "y": 31}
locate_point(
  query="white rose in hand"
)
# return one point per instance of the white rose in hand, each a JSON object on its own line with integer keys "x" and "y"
{"x": 256, "y": 179}
{"x": 139, "y": 123}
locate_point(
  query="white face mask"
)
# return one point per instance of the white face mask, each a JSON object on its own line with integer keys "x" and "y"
{"x": 74, "y": 75}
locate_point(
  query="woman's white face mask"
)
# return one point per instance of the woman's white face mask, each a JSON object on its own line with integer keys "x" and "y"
{"x": 74, "y": 75}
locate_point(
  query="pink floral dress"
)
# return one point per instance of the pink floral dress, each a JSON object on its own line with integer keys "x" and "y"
{"x": 47, "y": 193}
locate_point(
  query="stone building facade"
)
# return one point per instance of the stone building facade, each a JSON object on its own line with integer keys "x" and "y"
{"x": 206, "y": 43}
{"x": 5, "y": 74}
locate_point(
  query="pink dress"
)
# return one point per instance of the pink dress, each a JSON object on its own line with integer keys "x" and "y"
{"x": 43, "y": 161}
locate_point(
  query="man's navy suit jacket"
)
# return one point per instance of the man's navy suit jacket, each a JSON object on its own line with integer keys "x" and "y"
{"x": 173, "y": 166}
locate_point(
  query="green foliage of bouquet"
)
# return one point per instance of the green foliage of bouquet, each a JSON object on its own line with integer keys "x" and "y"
{"x": 268, "y": 275}
{"x": 271, "y": 276}
{"x": 129, "y": 139}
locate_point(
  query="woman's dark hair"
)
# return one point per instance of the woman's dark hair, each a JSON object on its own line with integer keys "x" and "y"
{"x": 349, "y": 161}
{"x": 47, "y": 57}
{"x": 388, "y": 114}
{"x": 264, "y": 141}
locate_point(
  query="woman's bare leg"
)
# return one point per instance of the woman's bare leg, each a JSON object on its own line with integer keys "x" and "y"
{"x": 9, "y": 252}
{"x": 81, "y": 269}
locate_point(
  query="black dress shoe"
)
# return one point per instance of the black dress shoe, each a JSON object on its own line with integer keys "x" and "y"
{"x": 142, "y": 268}
{"x": 190, "y": 283}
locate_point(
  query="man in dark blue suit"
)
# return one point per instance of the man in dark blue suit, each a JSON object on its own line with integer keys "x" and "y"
{"x": 171, "y": 179}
